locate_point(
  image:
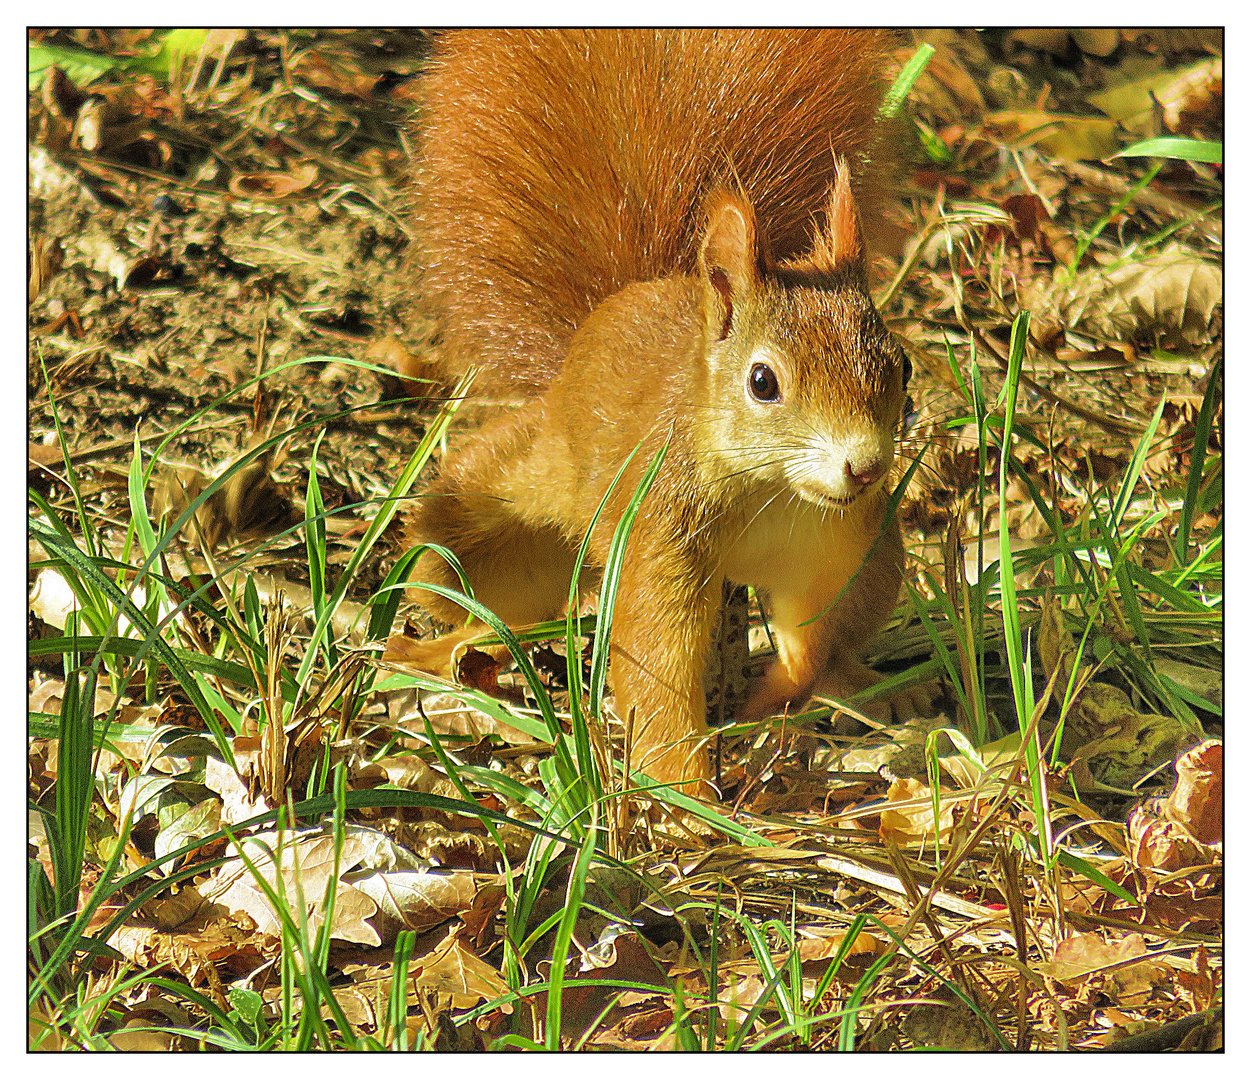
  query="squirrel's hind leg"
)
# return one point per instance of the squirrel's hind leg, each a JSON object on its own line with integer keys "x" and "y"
{"x": 519, "y": 572}
{"x": 516, "y": 570}
{"x": 483, "y": 508}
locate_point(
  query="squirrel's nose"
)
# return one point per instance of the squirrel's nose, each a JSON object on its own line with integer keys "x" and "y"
{"x": 867, "y": 472}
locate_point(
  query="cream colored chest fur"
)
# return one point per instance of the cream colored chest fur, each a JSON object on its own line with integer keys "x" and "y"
{"x": 791, "y": 546}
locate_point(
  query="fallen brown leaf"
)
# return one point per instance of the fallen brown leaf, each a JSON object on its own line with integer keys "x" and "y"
{"x": 274, "y": 185}
{"x": 1198, "y": 799}
{"x": 419, "y": 899}
{"x": 1193, "y": 92}
{"x": 452, "y": 969}
{"x": 298, "y": 866}
{"x": 1070, "y": 138}
{"x": 1185, "y": 828}
{"x": 1082, "y": 957}
{"x": 903, "y": 824}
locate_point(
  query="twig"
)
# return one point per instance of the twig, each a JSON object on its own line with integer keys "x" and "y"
{"x": 1106, "y": 423}
{"x": 891, "y": 883}
{"x": 1167, "y": 1036}
{"x": 1161, "y": 204}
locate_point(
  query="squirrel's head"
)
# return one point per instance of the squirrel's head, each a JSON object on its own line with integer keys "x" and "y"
{"x": 805, "y": 383}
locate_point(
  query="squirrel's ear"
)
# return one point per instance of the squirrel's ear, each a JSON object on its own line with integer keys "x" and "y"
{"x": 728, "y": 258}
{"x": 841, "y": 245}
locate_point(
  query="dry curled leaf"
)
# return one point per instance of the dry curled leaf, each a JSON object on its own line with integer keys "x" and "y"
{"x": 1198, "y": 799}
{"x": 60, "y": 96}
{"x": 449, "y": 715}
{"x": 450, "y": 968}
{"x": 816, "y": 953}
{"x": 1186, "y": 828}
{"x": 1109, "y": 742}
{"x": 909, "y": 824}
{"x": 1070, "y": 138}
{"x": 443, "y": 843}
{"x": 273, "y": 185}
{"x": 237, "y": 803}
{"x": 408, "y": 771}
{"x": 1174, "y": 293}
{"x": 1173, "y": 296}
{"x": 1118, "y": 745}
{"x": 1179, "y": 96}
{"x": 419, "y": 899}
{"x": 298, "y": 866}
{"x": 1080, "y": 958}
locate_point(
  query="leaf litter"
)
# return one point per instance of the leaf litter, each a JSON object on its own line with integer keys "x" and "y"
{"x": 163, "y": 276}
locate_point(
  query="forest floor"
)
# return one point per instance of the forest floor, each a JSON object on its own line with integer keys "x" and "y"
{"x": 227, "y": 404}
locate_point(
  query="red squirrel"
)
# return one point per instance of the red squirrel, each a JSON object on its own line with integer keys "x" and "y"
{"x": 654, "y": 235}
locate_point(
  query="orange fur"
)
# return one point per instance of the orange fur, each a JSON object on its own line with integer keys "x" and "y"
{"x": 649, "y": 231}
{"x": 560, "y": 166}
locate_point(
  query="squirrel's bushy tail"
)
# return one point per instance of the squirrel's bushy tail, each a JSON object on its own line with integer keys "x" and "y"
{"x": 559, "y": 166}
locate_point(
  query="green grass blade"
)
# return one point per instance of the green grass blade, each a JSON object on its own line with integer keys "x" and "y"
{"x": 315, "y": 546}
{"x": 492, "y": 620}
{"x": 902, "y": 86}
{"x": 573, "y": 646}
{"x": 133, "y": 649}
{"x": 611, "y": 579}
{"x": 564, "y": 936}
{"x": 1198, "y": 456}
{"x": 151, "y": 636}
{"x": 1007, "y": 585}
{"x": 1125, "y": 493}
{"x": 390, "y": 506}
{"x": 1019, "y": 665}
{"x": 74, "y": 787}
{"x": 1201, "y": 150}
{"x": 1086, "y": 239}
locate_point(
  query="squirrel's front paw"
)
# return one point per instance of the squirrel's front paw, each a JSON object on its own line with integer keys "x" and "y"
{"x": 913, "y": 701}
{"x": 845, "y": 678}
{"x": 774, "y": 693}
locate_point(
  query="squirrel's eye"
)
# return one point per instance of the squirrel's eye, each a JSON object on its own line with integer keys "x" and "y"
{"x": 907, "y": 372}
{"x": 763, "y": 383}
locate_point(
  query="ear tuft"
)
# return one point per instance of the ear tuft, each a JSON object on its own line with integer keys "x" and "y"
{"x": 841, "y": 245}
